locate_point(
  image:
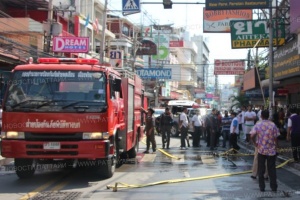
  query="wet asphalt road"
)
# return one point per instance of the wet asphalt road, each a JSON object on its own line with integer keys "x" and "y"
{"x": 195, "y": 173}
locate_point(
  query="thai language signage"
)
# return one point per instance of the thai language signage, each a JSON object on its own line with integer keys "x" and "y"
{"x": 71, "y": 44}
{"x": 249, "y": 34}
{"x": 236, "y": 4}
{"x": 229, "y": 67}
{"x": 287, "y": 61}
{"x": 154, "y": 73}
{"x": 218, "y": 21}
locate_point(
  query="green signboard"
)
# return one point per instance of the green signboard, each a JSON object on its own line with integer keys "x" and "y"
{"x": 236, "y": 4}
{"x": 255, "y": 33}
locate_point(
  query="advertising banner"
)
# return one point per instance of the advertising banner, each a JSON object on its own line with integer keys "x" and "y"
{"x": 229, "y": 67}
{"x": 236, "y": 4}
{"x": 218, "y": 21}
{"x": 71, "y": 44}
{"x": 255, "y": 33}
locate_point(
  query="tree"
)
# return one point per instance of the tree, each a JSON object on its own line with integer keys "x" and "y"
{"x": 238, "y": 101}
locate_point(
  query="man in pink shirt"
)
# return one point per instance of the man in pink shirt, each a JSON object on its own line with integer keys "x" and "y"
{"x": 265, "y": 132}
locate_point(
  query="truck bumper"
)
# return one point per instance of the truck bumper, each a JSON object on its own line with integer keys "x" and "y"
{"x": 65, "y": 150}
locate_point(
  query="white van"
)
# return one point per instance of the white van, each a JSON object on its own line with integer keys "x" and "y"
{"x": 176, "y": 108}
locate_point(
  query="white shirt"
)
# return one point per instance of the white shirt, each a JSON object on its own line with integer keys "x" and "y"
{"x": 184, "y": 119}
{"x": 239, "y": 117}
{"x": 243, "y": 117}
{"x": 250, "y": 114}
{"x": 259, "y": 115}
{"x": 197, "y": 120}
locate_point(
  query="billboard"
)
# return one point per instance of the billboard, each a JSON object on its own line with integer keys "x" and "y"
{"x": 236, "y": 4}
{"x": 255, "y": 33}
{"x": 250, "y": 79}
{"x": 286, "y": 61}
{"x": 229, "y": 67}
{"x": 154, "y": 73}
{"x": 218, "y": 21}
{"x": 71, "y": 44}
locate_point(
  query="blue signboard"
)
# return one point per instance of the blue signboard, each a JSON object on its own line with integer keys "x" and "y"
{"x": 153, "y": 73}
{"x": 131, "y": 6}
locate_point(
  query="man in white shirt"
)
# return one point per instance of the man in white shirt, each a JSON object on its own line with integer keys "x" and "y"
{"x": 243, "y": 137}
{"x": 184, "y": 126}
{"x": 250, "y": 117}
{"x": 197, "y": 126}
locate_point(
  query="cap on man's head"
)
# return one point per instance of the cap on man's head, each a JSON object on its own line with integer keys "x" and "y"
{"x": 151, "y": 110}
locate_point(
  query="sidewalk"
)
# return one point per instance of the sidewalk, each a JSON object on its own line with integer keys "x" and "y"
{"x": 284, "y": 155}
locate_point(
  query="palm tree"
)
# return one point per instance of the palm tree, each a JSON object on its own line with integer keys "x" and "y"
{"x": 238, "y": 101}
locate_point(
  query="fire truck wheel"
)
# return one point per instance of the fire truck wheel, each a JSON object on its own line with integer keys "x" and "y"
{"x": 108, "y": 169}
{"x": 25, "y": 168}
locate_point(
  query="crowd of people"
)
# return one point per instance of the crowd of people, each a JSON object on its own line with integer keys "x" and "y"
{"x": 245, "y": 124}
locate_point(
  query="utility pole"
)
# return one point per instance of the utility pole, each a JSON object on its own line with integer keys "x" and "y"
{"x": 270, "y": 62}
{"x": 50, "y": 21}
{"x": 102, "y": 46}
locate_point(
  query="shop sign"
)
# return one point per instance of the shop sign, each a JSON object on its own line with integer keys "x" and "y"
{"x": 255, "y": 33}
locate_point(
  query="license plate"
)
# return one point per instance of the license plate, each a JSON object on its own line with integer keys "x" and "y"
{"x": 52, "y": 145}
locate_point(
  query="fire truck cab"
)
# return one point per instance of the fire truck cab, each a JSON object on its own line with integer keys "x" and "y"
{"x": 73, "y": 111}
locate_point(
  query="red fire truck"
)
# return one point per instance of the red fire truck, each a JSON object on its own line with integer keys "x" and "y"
{"x": 71, "y": 110}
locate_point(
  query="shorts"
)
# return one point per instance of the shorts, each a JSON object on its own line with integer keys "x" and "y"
{"x": 248, "y": 128}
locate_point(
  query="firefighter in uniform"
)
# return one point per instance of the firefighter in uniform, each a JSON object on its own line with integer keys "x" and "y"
{"x": 150, "y": 130}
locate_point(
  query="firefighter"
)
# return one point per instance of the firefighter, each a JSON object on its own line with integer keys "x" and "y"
{"x": 150, "y": 130}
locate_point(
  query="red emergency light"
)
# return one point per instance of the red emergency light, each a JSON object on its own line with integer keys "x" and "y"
{"x": 68, "y": 60}
{"x": 87, "y": 61}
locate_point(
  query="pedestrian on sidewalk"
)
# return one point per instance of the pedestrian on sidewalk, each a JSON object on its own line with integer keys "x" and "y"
{"x": 184, "y": 126}
{"x": 264, "y": 136}
{"x": 197, "y": 127}
{"x": 212, "y": 126}
{"x": 293, "y": 133}
{"x": 226, "y": 122}
{"x": 150, "y": 124}
{"x": 234, "y": 131}
{"x": 242, "y": 116}
{"x": 250, "y": 117}
{"x": 166, "y": 121}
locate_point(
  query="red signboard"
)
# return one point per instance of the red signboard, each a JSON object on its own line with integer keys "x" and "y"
{"x": 229, "y": 67}
{"x": 282, "y": 91}
{"x": 71, "y": 44}
{"x": 176, "y": 43}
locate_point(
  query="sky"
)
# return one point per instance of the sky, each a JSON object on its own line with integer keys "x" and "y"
{"x": 189, "y": 16}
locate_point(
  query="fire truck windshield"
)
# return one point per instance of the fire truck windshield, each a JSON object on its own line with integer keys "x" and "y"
{"x": 56, "y": 91}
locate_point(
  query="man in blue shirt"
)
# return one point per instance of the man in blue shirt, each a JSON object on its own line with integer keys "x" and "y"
{"x": 226, "y": 121}
{"x": 234, "y": 131}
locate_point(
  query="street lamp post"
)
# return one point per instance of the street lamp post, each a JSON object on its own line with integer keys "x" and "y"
{"x": 103, "y": 33}
{"x": 271, "y": 61}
